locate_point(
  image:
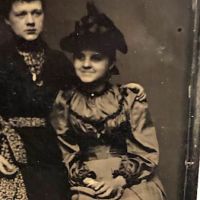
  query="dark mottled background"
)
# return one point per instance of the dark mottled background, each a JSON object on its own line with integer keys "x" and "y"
{"x": 159, "y": 37}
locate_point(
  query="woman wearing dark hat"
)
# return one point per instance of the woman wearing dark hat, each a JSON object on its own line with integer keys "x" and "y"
{"x": 31, "y": 74}
{"x": 106, "y": 135}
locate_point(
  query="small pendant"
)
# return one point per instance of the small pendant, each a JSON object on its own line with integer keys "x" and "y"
{"x": 98, "y": 135}
{"x": 34, "y": 77}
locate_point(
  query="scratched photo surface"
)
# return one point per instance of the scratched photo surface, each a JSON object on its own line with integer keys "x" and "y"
{"x": 159, "y": 38}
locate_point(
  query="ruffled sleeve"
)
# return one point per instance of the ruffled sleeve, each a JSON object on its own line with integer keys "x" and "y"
{"x": 142, "y": 146}
{"x": 67, "y": 140}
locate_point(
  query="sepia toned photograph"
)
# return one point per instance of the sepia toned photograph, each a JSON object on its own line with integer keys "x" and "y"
{"x": 99, "y": 99}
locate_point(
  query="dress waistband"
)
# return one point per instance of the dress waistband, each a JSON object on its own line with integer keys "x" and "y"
{"x": 21, "y": 122}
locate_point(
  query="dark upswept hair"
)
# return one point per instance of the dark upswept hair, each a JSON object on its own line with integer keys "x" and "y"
{"x": 6, "y": 5}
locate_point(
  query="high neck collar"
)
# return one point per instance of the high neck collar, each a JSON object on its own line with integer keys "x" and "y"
{"x": 94, "y": 90}
{"x": 29, "y": 46}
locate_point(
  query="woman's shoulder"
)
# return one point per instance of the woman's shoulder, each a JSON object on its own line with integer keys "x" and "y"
{"x": 127, "y": 93}
{"x": 6, "y": 54}
{"x": 7, "y": 50}
{"x": 130, "y": 99}
{"x": 65, "y": 95}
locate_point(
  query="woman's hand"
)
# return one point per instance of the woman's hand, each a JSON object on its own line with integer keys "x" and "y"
{"x": 92, "y": 183}
{"x": 141, "y": 95}
{"x": 107, "y": 189}
{"x": 6, "y": 168}
{"x": 112, "y": 188}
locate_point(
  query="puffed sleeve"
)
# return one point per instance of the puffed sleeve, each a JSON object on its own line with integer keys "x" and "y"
{"x": 67, "y": 141}
{"x": 142, "y": 146}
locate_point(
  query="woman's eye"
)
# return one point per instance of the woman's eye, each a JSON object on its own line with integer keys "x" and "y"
{"x": 21, "y": 14}
{"x": 37, "y": 12}
{"x": 79, "y": 56}
{"x": 97, "y": 57}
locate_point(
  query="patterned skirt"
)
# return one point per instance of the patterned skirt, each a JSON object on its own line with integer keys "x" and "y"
{"x": 12, "y": 187}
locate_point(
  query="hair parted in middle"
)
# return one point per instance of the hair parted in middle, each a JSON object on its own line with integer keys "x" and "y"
{"x": 6, "y": 5}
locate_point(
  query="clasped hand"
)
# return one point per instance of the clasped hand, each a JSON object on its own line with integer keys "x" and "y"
{"x": 6, "y": 168}
{"x": 107, "y": 189}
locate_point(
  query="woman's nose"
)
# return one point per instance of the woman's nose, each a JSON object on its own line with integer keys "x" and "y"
{"x": 86, "y": 63}
{"x": 30, "y": 20}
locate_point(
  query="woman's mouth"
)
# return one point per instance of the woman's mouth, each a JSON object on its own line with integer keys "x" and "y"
{"x": 31, "y": 31}
{"x": 87, "y": 72}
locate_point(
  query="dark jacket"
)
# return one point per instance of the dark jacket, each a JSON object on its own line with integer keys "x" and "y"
{"x": 21, "y": 97}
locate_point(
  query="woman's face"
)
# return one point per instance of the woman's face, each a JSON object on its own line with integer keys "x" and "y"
{"x": 90, "y": 66}
{"x": 26, "y": 19}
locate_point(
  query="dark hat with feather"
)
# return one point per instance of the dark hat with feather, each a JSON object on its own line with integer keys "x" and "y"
{"x": 95, "y": 31}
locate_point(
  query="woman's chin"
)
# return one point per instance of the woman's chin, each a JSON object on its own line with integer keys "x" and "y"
{"x": 87, "y": 80}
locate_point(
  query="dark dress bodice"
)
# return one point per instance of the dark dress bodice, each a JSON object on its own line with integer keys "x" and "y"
{"x": 44, "y": 175}
{"x": 21, "y": 97}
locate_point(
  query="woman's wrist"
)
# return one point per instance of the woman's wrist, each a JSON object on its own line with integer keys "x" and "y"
{"x": 88, "y": 180}
{"x": 121, "y": 181}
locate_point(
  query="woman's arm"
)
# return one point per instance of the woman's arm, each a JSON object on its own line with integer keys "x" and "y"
{"x": 6, "y": 167}
{"x": 142, "y": 146}
{"x": 137, "y": 89}
{"x": 68, "y": 142}
{"x": 59, "y": 121}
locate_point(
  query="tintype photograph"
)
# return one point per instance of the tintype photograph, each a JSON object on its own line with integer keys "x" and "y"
{"x": 99, "y": 99}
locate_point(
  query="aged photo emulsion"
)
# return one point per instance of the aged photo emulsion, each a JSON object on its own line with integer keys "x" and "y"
{"x": 99, "y": 99}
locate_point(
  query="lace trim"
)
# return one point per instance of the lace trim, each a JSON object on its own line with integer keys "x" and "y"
{"x": 12, "y": 187}
{"x": 100, "y": 122}
{"x": 27, "y": 122}
{"x": 34, "y": 61}
{"x": 14, "y": 140}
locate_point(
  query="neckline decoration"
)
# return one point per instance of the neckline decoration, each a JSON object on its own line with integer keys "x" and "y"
{"x": 122, "y": 93}
{"x": 34, "y": 60}
{"x": 86, "y": 90}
